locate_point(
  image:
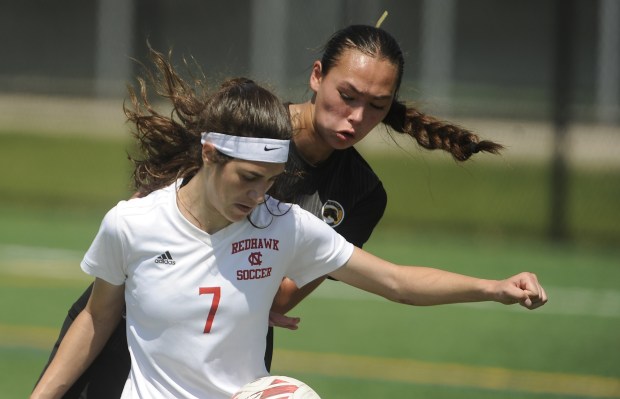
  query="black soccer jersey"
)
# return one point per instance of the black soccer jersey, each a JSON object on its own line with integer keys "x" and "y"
{"x": 343, "y": 191}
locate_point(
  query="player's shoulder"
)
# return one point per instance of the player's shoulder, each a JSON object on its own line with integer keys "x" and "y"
{"x": 356, "y": 160}
{"x": 353, "y": 174}
{"x": 154, "y": 200}
{"x": 349, "y": 166}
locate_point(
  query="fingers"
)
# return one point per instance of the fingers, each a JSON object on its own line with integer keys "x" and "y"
{"x": 536, "y": 299}
{"x": 534, "y": 291}
{"x": 523, "y": 288}
{"x": 280, "y": 320}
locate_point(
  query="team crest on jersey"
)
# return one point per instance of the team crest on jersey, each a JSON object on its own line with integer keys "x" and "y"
{"x": 332, "y": 213}
{"x": 255, "y": 259}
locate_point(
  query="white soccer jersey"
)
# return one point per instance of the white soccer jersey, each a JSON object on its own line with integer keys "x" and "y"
{"x": 198, "y": 303}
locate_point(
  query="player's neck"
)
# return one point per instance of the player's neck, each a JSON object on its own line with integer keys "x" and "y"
{"x": 195, "y": 207}
{"x": 310, "y": 146}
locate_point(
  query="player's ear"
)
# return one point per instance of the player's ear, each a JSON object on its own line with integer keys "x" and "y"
{"x": 207, "y": 153}
{"x": 316, "y": 76}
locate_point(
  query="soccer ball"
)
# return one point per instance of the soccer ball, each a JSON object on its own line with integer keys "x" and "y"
{"x": 276, "y": 387}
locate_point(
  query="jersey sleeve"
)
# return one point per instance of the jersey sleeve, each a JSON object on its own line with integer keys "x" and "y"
{"x": 319, "y": 249}
{"x": 104, "y": 258}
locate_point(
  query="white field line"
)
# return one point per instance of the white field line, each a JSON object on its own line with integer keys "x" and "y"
{"x": 62, "y": 264}
{"x": 41, "y": 262}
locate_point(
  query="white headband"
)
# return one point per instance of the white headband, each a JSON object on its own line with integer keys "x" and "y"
{"x": 249, "y": 148}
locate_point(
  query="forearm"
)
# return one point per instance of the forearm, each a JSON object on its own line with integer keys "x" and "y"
{"x": 419, "y": 286}
{"x": 425, "y": 286}
{"x": 82, "y": 343}
{"x": 289, "y": 295}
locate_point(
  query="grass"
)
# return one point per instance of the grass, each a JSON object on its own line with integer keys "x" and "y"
{"x": 427, "y": 191}
{"x": 494, "y": 327}
{"x": 66, "y": 172}
{"x": 465, "y": 218}
{"x": 496, "y": 197}
{"x": 338, "y": 321}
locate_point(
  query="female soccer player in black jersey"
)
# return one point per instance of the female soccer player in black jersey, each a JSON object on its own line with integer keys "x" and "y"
{"x": 355, "y": 88}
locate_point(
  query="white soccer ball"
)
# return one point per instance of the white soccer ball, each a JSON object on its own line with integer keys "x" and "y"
{"x": 276, "y": 387}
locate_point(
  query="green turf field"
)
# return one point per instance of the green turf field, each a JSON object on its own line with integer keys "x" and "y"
{"x": 486, "y": 219}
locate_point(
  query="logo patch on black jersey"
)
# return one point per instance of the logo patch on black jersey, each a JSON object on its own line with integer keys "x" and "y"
{"x": 332, "y": 213}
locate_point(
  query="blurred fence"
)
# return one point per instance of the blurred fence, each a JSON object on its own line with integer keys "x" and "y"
{"x": 475, "y": 57}
{"x": 541, "y": 76}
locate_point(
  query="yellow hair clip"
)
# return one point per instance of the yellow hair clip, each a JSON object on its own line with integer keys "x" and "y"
{"x": 380, "y": 21}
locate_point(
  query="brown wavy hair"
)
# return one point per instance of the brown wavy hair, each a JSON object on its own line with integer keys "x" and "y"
{"x": 169, "y": 143}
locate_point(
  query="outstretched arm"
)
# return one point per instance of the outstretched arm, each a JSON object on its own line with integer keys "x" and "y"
{"x": 83, "y": 341}
{"x": 423, "y": 286}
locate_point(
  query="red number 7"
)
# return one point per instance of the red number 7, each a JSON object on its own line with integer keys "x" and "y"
{"x": 214, "y": 304}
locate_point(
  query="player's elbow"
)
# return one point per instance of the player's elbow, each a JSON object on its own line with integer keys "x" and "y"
{"x": 402, "y": 289}
{"x": 397, "y": 290}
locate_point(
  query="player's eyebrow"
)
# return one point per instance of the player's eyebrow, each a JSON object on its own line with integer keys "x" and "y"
{"x": 358, "y": 92}
{"x": 260, "y": 175}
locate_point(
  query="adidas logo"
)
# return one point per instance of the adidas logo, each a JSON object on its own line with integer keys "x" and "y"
{"x": 165, "y": 258}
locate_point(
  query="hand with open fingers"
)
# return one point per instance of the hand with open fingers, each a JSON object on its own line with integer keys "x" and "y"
{"x": 280, "y": 320}
{"x": 523, "y": 288}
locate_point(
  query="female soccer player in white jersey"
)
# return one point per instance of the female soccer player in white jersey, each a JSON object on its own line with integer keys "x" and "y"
{"x": 325, "y": 174}
{"x": 197, "y": 263}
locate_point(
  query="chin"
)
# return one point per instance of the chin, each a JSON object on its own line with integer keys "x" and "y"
{"x": 238, "y": 215}
{"x": 342, "y": 145}
{"x": 236, "y": 218}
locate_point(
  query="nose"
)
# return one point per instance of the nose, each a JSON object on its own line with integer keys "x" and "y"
{"x": 257, "y": 193}
{"x": 255, "y": 196}
{"x": 356, "y": 115}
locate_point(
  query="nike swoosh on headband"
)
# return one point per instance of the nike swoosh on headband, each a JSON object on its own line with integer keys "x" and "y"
{"x": 271, "y": 148}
